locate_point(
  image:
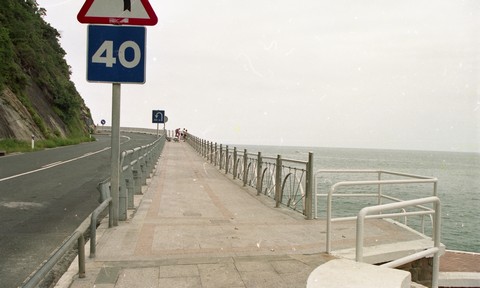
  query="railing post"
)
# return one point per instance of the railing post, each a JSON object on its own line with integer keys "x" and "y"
{"x": 436, "y": 242}
{"x": 209, "y": 155}
{"x": 130, "y": 188}
{"x": 379, "y": 189}
{"x": 259, "y": 173}
{"x": 221, "y": 157}
{"x": 122, "y": 201}
{"x": 245, "y": 167}
{"x": 81, "y": 256}
{"x": 205, "y": 149}
{"x": 278, "y": 181}
{"x": 211, "y": 152}
{"x": 143, "y": 167}
{"x": 215, "y": 155}
{"x": 309, "y": 189}
{"x": 226, "y": 159}
{"x": 234, "y": 162}
{"x": 122, "y": 191}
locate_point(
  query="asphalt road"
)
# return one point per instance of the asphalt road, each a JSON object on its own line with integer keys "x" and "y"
{"x": 45, "y": 195}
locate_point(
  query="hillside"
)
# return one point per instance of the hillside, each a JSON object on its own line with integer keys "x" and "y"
{"x": 36, "y": 94}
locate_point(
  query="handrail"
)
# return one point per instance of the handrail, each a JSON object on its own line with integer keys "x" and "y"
{"x": 57, "y": 255}
{"x": 436, "y": 236}
{"x": 93, "y": 224}
{"x": 415, "y": 179}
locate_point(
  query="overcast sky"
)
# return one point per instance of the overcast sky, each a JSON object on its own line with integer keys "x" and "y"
{"x": 352, "y": 73}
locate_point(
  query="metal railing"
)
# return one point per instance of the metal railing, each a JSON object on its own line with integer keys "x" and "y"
{"x": 137, "y": 164}
{"x": 366, "y": 189}
{"x": 78, "y": 236}
{"x": 435, "y": 250}
{"x": 289, "y": 182}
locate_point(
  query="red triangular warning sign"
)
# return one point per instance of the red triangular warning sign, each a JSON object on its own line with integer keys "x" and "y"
{"x": 128, "y": 12}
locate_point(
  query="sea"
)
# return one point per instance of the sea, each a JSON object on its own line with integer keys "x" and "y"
{"x": 458, "y": 177}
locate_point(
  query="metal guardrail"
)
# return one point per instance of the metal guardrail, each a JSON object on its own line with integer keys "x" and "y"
{"x": 435, "y": 250}
{"x": 289, "y": 182}
{"x": 137, "y": 164}
{"x": 379, "y": 195}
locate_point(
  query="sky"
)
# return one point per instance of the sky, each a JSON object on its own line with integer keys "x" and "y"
{"x": 342, "y": 73}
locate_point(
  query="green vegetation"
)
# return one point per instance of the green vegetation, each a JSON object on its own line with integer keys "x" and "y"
{"x": 30, "y": 51}
{"x": 15, "y": 145}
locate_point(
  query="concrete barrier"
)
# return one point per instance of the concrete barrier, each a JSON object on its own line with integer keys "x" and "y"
{"x": 350, "y": 274}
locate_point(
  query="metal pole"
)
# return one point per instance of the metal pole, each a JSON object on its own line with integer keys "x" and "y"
{"x": 115, "y": 176}
{"x": 220, "y": 164}
{"x": 81, "y": 256}
{"x": 245, "y": 167}
{"x": 309, "y": 191}
{"x": 234, "y": 162}
{"x": 278, "y": 181}
{"x": 226, "y": 159}
{"x": 436, "y": 241}
{"x": 259, "y": 173}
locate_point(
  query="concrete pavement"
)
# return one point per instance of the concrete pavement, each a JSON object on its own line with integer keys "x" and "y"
{"x": 196, "y": 227}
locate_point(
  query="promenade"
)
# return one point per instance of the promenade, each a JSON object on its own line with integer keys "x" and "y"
{"x": 197, "y": 227}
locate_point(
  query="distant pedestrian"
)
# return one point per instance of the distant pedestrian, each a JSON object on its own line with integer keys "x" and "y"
{"x": 185, "y": 132}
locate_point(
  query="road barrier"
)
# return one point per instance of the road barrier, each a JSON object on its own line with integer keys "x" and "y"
{"x": 136, "y": 166}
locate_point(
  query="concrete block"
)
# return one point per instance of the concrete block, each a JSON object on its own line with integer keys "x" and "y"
{"x": 350, "y": 274}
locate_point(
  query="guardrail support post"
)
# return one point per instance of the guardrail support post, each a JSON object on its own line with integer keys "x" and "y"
{"x": 138, "y": 182}
{"x": 122, "y": 201}
{"x": 215, "y": 155}
{"x": 143, "y": 173}
{"x": 130, "y": 190}
{"x": 81, "y": 257}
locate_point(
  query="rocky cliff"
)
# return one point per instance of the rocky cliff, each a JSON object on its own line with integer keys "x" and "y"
{"x": 36, "y": 94}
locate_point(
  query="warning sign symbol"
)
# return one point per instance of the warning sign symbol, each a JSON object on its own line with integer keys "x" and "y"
{"x": 129, "y": 12}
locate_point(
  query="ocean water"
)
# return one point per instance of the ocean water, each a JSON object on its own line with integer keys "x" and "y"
{"x": 458, "y": 185}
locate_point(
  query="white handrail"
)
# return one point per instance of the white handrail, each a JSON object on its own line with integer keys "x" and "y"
{"x": 436, "y": 235}
{"x": 414, "y": 179}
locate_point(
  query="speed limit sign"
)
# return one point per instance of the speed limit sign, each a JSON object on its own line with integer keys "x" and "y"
{"x": 116, "y": 54}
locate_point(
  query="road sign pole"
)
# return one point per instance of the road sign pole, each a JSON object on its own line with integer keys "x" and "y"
{"x": 115, "y": 177}
{"x": 157, "y": 130}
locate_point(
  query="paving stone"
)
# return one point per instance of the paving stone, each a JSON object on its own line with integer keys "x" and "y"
{"x": 138, "y": 278}
{"x": 220, "y": 275}
{"x": 108, "y": 275}
{"x": 179, "y": 271}
{"x": 180, "y": 282}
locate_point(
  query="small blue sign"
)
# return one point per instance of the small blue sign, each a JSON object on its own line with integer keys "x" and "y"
{"x": 158, "y": 116}
{"x": 116, "y": 54}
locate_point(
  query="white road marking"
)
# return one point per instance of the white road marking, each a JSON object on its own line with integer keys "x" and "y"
{"x": 52, "y": 164}
{"x": 48, "y": 166}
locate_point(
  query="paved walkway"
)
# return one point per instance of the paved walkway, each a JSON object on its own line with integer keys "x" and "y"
{"x": 196, "y": 227}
